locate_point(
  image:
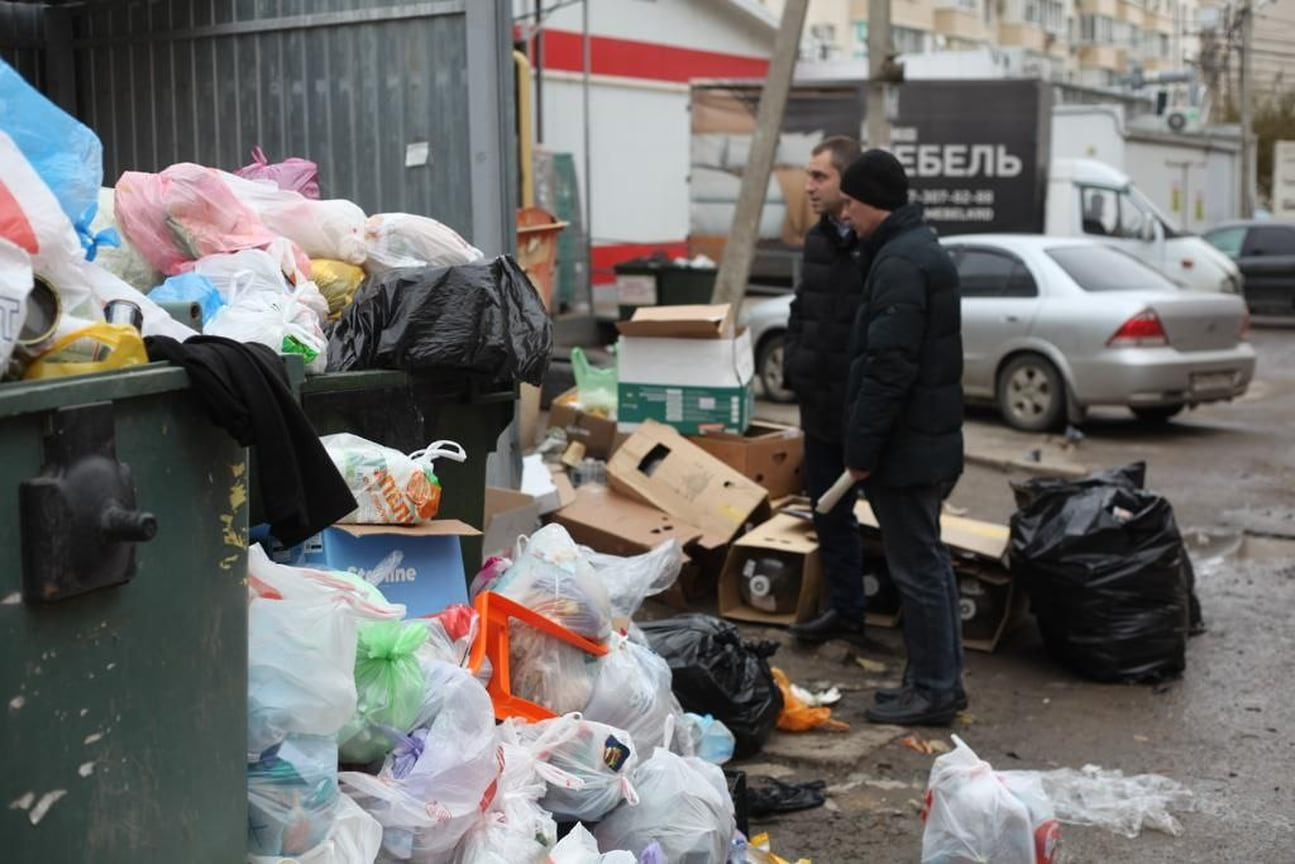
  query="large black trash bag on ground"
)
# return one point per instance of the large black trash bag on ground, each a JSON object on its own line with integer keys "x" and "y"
{"x": 484, "y": 318}
{"x": 1107, "y": 574}
{"x": 714, "y": 671}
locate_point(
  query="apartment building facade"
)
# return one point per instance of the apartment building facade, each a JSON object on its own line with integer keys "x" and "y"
{"x": 1093, "y": 43}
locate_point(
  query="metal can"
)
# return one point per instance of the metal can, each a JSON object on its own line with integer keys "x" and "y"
{"x": 124, "y": 312}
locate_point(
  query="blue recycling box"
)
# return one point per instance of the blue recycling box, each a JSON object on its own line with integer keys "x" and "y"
{"x": 429, "y": 575}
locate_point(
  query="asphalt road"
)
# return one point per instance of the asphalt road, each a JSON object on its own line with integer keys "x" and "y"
{"x": 1224, "y": 730}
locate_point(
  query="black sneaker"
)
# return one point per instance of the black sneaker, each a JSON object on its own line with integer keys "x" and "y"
{"x": 829, "y": 625}
{"x": 913, "y": 708}
{"x": 890, "y": 694}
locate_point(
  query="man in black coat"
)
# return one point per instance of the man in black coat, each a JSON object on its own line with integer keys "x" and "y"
{"x": 903, "y": 432}
{"x": 816, "y": 361}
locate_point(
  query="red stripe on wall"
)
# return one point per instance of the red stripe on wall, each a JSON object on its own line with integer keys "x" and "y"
{"x": 625, "y": 58}
{"x": 605, "y": 258}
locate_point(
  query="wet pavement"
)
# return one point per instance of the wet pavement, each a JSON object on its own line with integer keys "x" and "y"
{"x": 1224, "y": 729}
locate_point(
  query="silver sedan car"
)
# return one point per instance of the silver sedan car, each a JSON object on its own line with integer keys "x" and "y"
{"x": 1052, "y": 326}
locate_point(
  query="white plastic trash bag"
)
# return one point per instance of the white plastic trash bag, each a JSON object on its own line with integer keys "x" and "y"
{"x": 390, "y": 487}
{"x": 580, "y": 847}
{"x": 302, "y": 627}
{"x": 632, "y": 692}
{"x": 599, "y": 757}
{"x": 123, "y": 260}
{"x": 355, "y": 838}
{"x": 15, "y": 287}
{"x": 322, "y": 229}
{"x": 404, "y": 240}
{"x": 431, "y": 792}
{"x": 684, "y": 806}
{"x": 971, "y": 815}
{"x": 630, "y": 580}
{"x": 551, "y": 575}
{"x": 514, "y": 829}
{"x": 292, "y": 796}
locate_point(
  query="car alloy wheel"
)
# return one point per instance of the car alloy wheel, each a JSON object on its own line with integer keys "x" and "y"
{"x": 1031, "y": 394}
{"x": 770, "y": 365}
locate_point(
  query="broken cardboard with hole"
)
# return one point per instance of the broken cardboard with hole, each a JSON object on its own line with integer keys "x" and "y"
{"x": 771, "y": 454}
{"x": 658, "y": 466}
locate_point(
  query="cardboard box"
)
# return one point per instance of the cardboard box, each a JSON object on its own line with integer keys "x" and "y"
{"x": 787, "y": 536}
{"x": 616, "y": 525}
{"x": 550, "y": 487}
{"x": 598, "y": 434}
{"x": 660, "y": 467}
{"x": 989, "y": 603}
{"x": 770, "y": 454}
{"x": 509, "y": 514}
{"x": 686, "y": 366}
{"x": 430, "y": 574}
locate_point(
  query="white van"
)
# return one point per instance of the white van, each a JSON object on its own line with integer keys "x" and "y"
{"x": 1087, "y": 198}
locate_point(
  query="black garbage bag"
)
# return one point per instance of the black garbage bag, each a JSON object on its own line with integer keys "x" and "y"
{"x": 1107, "y": 575}
{"x": 716, "y": 672}
{"x": 484, "y": 318}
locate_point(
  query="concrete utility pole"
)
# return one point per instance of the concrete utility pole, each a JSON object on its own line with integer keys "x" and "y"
{"x": 739, "y": 252}
{"x": 878, "y": 50}
{"x": 1247, "y": 113}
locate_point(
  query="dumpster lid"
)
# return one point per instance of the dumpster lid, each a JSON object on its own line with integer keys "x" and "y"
{"x": 435, "y": 528}
{"x": 681, "y": 322}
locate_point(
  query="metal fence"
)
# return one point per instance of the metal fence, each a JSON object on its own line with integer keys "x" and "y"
{"x": 406, "y": 106}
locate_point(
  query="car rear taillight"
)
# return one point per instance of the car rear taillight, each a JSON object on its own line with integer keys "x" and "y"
{"x": 1245, "y": 327}
{"x": 1143, "y": 330}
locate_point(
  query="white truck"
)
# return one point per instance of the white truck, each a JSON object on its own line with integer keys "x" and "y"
{"x": 1090, "y": 198}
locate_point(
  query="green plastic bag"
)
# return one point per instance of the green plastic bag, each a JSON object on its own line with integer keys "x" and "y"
{"x": 596, "y": 387}
{"x": 389, "y": 685}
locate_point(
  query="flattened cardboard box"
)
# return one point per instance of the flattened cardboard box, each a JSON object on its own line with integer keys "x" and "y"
{"x": 782, "y": 534}
{"x": 660, "y": 467}
{"x": 770, "y": 454}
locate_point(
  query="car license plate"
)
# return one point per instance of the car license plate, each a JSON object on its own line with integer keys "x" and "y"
{"x": 1212, "y": 382}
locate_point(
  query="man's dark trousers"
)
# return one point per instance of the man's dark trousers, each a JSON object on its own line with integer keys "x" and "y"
{"x": 840, "y": 549}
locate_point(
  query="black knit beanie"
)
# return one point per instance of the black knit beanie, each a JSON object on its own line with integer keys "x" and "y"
{"x": 876, "y": 178}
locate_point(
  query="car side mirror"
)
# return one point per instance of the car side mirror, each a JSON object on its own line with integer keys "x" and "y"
{"x": 1148, "y": 232}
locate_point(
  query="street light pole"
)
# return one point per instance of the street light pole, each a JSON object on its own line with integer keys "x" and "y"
{"x": 878, "y": 49}
{"x": 1247, "y": 113}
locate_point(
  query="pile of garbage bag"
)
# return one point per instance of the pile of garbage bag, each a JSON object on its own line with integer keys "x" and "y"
{"x": 1108, "y": 576}
{"x": 261, "y": 255}
{"x": 373, "y": 736}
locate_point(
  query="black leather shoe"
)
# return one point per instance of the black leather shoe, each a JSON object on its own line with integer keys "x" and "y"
{"x": 913, "y": 708}
{"x": 829, "y": 625}
{"x": 890, "y": 694}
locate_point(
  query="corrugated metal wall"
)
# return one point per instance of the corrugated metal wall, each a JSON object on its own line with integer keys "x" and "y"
{"x": 363, "y": 87}
{"x": 21, "y": 40}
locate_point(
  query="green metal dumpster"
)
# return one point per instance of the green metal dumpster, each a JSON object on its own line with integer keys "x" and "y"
{"x": 660, "y": 282}
{"x": 408, "y": 411}
{"x": 123, "y": 694}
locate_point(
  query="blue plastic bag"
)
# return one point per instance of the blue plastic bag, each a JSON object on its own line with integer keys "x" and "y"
{"x": 66, "y": 154}
{"x": 190, "y": 288}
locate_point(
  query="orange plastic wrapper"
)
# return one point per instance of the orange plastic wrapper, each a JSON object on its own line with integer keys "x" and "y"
{"x": 796, "y": 716}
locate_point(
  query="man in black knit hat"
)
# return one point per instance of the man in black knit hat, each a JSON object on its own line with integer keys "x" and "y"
{"x": 903, "y": 427}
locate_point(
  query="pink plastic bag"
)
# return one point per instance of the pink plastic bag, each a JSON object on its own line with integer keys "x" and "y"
{"x": 186, "y": 213}
{"x": 294, "y": 174}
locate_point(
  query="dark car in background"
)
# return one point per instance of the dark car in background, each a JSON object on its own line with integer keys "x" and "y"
{"x": 1265, "y": 252}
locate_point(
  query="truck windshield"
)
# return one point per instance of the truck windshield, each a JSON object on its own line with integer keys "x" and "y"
{"x": 1171, "y": 228}
{"x": 1104, "y": 268}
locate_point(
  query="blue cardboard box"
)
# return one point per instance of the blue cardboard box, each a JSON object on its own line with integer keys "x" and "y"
{"x": 429, "y": 575}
